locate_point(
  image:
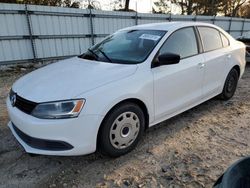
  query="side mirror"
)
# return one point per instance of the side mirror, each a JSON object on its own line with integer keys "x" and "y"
{"x": 168, "y": 59}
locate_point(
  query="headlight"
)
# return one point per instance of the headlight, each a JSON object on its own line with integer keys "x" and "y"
{"x": 58, "y": 109}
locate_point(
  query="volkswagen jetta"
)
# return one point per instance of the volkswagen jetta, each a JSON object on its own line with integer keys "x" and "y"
{"x": 135, "y": 78}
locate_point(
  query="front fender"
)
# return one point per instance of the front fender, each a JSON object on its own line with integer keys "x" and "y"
{"x": 140, "y": 86}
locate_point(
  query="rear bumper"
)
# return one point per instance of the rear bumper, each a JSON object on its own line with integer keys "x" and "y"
{"x": 74, "y": 136}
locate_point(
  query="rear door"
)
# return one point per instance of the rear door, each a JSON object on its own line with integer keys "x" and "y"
{"x": 178, "y": 86}
{"x": 215, "y": 57}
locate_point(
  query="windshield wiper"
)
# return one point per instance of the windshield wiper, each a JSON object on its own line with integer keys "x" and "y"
{"x": 92, "y": 52}
{"x": 103, "y": 53}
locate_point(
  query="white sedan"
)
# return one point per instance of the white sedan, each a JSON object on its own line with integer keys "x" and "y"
{"x": 135, "y": 78}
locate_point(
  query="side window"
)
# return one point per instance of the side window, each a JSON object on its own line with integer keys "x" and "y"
{"x": 225, "y": 40}
{"x": 182, "y": 42}
{"x": 210, "y": 38}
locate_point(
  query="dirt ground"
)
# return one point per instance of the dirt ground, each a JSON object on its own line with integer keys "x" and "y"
{"x": 190, "y": 150}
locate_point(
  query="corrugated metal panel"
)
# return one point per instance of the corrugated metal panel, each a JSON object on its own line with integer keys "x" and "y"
{"x": 58, "y": 32}
{"x": 182, "y": 18}
{"x": 206, "y": 19}
{"x": 107, "y": 22}
{"x": 224, "y": 22}
{"x": 12, "y": 50}
{"x": 236, "y": 24}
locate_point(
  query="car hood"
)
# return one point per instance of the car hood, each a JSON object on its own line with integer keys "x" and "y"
{"x": 68, "y": 79}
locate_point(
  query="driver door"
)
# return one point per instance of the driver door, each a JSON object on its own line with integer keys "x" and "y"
{"x": 178, "y": 86}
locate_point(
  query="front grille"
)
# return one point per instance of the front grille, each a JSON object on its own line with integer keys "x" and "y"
{"x": 52, "y": 145}
{"x": 23, "y": 104}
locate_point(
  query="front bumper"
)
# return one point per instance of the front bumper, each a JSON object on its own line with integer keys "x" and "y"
{"x": 80, "y": 133}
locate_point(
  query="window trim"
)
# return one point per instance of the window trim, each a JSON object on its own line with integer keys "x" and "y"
{"x": 202, "y": 41}
{"x": 197, "y": 43}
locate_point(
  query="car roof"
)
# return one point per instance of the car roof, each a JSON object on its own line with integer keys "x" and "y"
{"x": 165, "y": 26}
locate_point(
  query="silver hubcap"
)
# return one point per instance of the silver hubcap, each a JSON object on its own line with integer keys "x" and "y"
{"x": 124, "y": 130}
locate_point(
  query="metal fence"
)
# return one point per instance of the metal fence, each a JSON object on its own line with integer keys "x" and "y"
{"x": 38, "y": 33}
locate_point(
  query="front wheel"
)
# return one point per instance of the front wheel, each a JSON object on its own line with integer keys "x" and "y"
{"x": 121, "y": 130}
{"x": 230, "y": 85}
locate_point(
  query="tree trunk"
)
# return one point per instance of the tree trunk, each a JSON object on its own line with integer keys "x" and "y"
{"x": 126, "y": 5}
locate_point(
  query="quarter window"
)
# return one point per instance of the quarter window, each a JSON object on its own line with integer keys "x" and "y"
{"x": 224, "y": 39}
{"x": 210, "y": 37}
{"x": 182, "y": 42}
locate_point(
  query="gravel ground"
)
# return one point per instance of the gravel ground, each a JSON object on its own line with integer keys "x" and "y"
{"x": 190, "y": 150}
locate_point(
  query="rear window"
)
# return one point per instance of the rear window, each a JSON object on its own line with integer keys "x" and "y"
{"x": 210, "y": 37}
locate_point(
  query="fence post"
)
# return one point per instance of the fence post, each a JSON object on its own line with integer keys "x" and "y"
{"x": 136, "y": 18}
{"x": 214, "y": 19}
{"x": 243, "y": 25}
{"x": 136, "y": 14}
{"x": 170, "y": 17}
{"x": 195, "y": 18}
{"x": 230, "y": 23}
{"x": 91, "y": 26}
{"x": 30, "y": 33}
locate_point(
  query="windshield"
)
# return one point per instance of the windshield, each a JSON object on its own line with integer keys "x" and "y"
{"x": 125, "y": 47}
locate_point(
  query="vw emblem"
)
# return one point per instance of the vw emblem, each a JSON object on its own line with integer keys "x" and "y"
{"x": 13, "y": 99}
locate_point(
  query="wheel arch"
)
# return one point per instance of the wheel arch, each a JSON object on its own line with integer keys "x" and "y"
{"x": 237, "y": 67}
{"x": 136, "y": 101}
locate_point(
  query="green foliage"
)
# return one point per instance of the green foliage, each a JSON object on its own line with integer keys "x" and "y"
{"x": 205, "y": 7}
{"x": 63, "y": 3}
{"x": 244, "y": 10}
{"x": 162, "y": 6}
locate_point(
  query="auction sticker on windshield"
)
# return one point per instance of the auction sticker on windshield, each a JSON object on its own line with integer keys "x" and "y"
{"x": 150, "y": 37}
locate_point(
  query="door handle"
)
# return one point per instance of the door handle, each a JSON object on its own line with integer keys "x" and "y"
{"x": 201, "y": 65}
{"x": 229, "y": 56}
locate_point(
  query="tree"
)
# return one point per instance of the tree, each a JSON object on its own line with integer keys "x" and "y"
{"x": 204, "y": 7}
{"x": 209, "y": 7}
{"x": 244, "y": 10}
{"x": 161, "y": 7}
{"x": 117, "y": 4}
{"x": 91, "y": 4}
{"x": 187, "y": 6}
{"x": 121, "y": 5}
{"x": 64, "y": 3}
{"x": 42, "y": 2}
{"x": 232, "y": 7}
{"x": 126, "y": 5}
{"x": 69, "y": 3}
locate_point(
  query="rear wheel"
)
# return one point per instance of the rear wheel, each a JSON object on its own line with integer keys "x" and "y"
{"x": 121, "y": 130}
{"x": 230, "y": 85}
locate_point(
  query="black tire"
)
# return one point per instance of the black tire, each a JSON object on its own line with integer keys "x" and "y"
{"x": 230, "y": 85}
{"x": 105, "y": 146}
